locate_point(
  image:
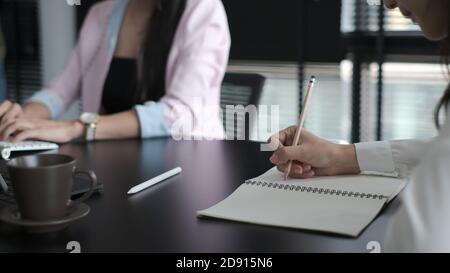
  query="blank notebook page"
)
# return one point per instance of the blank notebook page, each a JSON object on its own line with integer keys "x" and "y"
{"x": 325, "y": 204}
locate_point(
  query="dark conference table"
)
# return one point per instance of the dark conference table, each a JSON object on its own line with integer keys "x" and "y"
{"x": 163, "y": 218}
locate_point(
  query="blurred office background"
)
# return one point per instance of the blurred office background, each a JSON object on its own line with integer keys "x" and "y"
{"x": 378, "y": 78}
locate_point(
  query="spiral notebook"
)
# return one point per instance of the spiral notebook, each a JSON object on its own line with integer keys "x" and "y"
{"x": 342, "y": 204}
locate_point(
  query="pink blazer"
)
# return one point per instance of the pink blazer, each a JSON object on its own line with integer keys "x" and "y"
{"x": 195, "y": 70}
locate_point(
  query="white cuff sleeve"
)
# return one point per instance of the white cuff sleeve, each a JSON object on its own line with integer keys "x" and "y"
{"x": 50, "y": 100}
{"x": 151, "y": 119}
{"x": 375, "y": 158}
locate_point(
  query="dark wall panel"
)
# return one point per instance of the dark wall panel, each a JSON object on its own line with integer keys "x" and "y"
{"x": 279, "y": 30}
{"x": 264, "y": 29}
{"x": 323, "y": 31}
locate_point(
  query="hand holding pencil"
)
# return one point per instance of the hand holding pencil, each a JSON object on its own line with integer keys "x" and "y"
{"x": 300, "y": 154}
{"x": 301, "y": 121}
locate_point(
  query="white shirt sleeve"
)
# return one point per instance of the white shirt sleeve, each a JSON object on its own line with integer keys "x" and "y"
{"x": 390, "y": 158}
{"x": 422, "y": 223}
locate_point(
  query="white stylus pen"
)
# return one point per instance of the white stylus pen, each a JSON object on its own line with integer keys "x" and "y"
{"x": 154, "y": 181}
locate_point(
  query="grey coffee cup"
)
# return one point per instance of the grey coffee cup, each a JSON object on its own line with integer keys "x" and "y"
{"x": 42, "y": 185}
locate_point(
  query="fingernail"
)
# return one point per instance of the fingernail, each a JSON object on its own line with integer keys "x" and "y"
{"x": 298, "y": 170}
{"x": 274, "y": 158}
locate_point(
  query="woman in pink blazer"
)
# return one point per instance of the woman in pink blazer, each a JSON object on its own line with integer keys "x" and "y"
{"x": 142, "y": 68}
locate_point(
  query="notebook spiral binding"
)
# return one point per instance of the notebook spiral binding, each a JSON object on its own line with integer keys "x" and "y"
{"x": 324, "y": 191}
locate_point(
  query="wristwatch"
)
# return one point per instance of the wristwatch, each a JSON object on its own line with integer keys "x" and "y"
{"x": 89, "y": 121}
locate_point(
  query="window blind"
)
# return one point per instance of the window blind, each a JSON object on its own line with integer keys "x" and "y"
{"x": 396, "y": 73}
{"x": 22, "y": 64}
{"x": 329, "y": 113}
{"x": 363, "y": 15}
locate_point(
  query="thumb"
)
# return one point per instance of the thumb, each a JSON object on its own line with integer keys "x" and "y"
{"x": 286, "y": 154}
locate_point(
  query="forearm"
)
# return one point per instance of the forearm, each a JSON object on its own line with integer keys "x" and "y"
{"x": 36, "y": 110}
{"x": 345, "y": 160}
{"x": 118, "y": 126}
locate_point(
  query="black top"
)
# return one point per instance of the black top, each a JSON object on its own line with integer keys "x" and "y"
{"x": 120, "y": 86}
